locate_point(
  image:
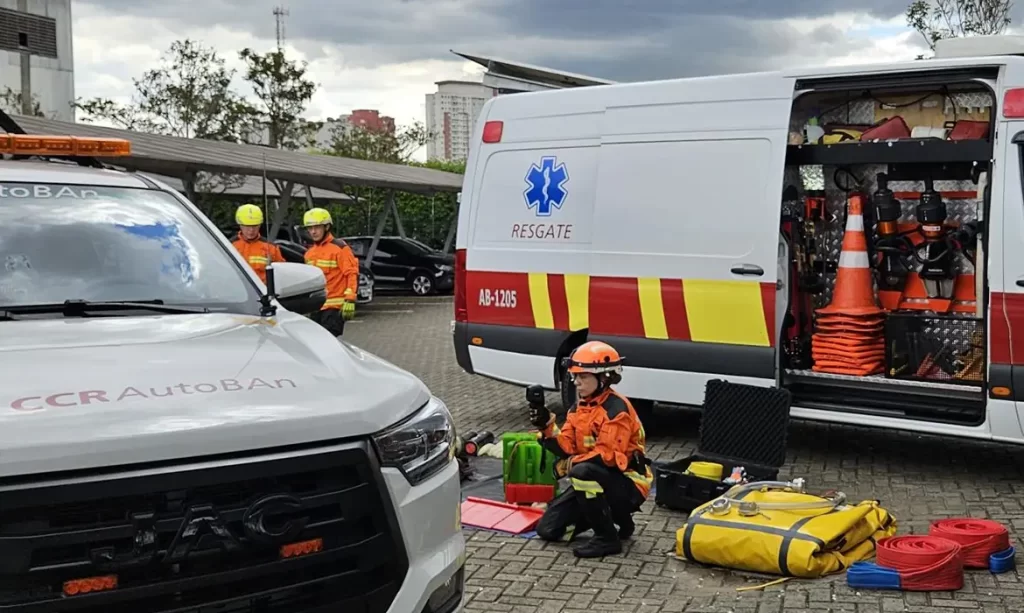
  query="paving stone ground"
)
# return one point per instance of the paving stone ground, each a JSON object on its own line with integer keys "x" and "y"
{"x": 917, "y": 478}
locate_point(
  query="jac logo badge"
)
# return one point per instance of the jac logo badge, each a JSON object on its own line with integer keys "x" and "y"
{"x": 271, "y": 520}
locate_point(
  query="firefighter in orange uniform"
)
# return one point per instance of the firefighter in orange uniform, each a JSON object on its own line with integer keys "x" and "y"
{"x": 340, "y": 268}
{"x": 257, "y": 252}
{"x": 602, "y": 444}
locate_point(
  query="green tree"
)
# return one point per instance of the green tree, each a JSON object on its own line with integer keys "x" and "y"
{"x": 10, "y": 102}
{"x": 935, "y": 20}
{"x": 283, "y": 92}
{"x": 189, "y": 95}
{"x": 425, "y": 218}
{"x": 361, "y": 143}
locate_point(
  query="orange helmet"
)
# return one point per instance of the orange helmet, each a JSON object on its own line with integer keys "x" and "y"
{"x": 595, "y": 357}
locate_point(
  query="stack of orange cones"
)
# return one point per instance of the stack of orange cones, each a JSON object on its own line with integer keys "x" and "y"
{"x": 849, "y": 337}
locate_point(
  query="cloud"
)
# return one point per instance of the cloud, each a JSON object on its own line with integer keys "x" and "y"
{"x": 387, "y": 54}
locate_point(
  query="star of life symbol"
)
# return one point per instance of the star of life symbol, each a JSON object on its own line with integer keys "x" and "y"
{"x": 546, "y": 186}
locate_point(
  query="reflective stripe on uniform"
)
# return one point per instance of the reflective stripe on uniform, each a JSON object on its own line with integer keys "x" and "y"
{"x": 334, "y": 301}
{"x": 589, "y": 442}
{"x": 644, "y": 480}
{"x": 258, "y": 259}
{"x": 589, "y": 488}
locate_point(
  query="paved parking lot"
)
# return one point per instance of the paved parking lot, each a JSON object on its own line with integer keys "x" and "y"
{"x": 918, "y": 478}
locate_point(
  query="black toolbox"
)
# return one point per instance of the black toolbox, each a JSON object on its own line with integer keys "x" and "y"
{"x": 741, "y": 425}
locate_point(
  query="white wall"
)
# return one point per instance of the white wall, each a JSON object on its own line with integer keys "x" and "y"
{"x": 53, "y": 79}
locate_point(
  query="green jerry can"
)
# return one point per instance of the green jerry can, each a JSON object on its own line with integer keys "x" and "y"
{"x": 528, "y": 470}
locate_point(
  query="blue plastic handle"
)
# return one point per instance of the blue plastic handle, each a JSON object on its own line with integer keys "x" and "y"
{"x": 1003, "y": 561}
{"x": 871, "y": 576}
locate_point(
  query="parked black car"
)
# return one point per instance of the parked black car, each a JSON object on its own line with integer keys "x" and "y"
{"x": 406, "y": 263}
{"x": 294, "y": 252}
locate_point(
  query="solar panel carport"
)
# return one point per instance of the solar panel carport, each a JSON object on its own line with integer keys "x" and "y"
{"x": 182, "y": 158}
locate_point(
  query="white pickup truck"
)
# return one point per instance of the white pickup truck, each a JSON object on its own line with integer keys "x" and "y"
{"x": 174, "y": 439}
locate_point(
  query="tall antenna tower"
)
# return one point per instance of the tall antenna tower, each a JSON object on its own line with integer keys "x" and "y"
{"x": 280, "y": 13}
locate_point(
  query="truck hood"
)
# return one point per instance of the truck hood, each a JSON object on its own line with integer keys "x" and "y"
{"x": 87, "y": 393}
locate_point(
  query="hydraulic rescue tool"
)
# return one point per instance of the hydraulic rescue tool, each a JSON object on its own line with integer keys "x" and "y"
{"x": 893, "y": 248}
{"x": 937, "y": 254}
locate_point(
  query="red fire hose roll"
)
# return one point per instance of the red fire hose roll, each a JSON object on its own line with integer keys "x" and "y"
{"x": 925, "y": 563}
{"x": 979, "y": 538}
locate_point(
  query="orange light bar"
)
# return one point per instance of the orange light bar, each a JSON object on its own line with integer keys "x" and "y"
{"x": 34, "y": 144}
{"x": 90, "y": 584}
{"x": 302, "y": 548}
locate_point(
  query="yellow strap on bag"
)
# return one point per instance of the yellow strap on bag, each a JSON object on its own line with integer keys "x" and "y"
{"x": 806, "y": 543}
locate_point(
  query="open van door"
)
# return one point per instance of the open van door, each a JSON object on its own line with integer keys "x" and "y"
{"x": 685, "y": 233}
{"x": 1006, "y": 275}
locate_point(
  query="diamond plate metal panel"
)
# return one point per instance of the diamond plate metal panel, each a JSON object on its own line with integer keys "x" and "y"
{"x": 834, "y": 226}
{"x": 968, "y": 101}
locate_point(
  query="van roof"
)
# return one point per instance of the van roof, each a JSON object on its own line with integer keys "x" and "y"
{"x": 810, "y": 72}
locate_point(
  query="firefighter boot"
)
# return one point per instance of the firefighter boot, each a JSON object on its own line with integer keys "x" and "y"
{"x": 626, "y": 526}
{"x": 605, "y": 541}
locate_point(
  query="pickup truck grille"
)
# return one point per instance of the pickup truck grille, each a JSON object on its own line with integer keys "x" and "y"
{"x": 209, "y": 537}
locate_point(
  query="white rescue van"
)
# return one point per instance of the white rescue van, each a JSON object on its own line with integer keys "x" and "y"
{"x": 175, "y": 438}
{"x": 697, "y": 225}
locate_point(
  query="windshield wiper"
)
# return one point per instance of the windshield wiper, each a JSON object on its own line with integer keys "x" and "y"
{"x": 79, "y": 308}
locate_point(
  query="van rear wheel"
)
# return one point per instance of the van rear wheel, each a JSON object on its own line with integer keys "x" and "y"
{"x": 644, "y": 410}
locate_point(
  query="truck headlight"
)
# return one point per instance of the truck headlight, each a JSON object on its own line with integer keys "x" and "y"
{"x": 419, "y": 446}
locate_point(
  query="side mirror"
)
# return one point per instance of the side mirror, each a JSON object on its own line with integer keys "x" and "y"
{"x": 300, "y": 288}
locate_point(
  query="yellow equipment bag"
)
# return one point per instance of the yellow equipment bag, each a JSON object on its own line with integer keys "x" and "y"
{"x": 806, "y": 543}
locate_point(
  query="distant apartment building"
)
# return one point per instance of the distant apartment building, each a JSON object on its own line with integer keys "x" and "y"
{"x": 367, "y": 119}
{"x": 41, "y": 31}
{"x": 371, "y": 119}
{"x": 363, "y": 118}
{"x": 451, "y": 116}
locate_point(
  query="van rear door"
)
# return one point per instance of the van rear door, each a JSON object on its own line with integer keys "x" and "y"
{"x": 685, "y": 235}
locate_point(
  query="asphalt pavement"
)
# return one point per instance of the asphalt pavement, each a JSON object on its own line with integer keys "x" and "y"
{"x": 917, "y": 478}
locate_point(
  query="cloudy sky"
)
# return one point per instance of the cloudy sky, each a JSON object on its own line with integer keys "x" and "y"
{"x": 386, "y": 54}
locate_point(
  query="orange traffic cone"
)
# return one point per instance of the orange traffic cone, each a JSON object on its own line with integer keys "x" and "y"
{"x": 854, "y": 293}
{"x": 848, "y": 336}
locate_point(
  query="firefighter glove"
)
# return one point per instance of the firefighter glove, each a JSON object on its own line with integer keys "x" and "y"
{"x": 348, "y": 311}
{"x": 539, "y": 415}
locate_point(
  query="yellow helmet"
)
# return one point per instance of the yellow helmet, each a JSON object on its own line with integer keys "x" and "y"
{"x": 316, "y": 217}
{"x": 249, "y": 215}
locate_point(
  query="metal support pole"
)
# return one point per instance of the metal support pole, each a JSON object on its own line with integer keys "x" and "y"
{"x": 451, "y": 235}
{"x": 394, "y": 209}
{"x": 376, "y": 235}
{"x": 309, "y": 197}
{"x": 455, "y": 224}
{"x": 189, "y": 183}
{"x": 284, "y": 201}
{"x": 26, "y": 69}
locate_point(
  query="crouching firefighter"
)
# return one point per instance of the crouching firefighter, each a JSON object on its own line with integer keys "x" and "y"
{"x": 601, "y": 444}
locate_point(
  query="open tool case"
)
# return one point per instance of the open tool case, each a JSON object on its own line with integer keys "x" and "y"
{"x": 741, "y": 425}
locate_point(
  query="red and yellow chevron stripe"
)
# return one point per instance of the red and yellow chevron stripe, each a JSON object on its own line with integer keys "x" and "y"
{"x": 729, "y": 312}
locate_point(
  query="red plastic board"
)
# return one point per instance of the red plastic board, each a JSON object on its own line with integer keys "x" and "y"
{"x": 494, "y": 515}
{"x": 521, "y": 493}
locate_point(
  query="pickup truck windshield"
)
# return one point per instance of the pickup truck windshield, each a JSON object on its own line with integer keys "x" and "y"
{"x": 74, "y": 242}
